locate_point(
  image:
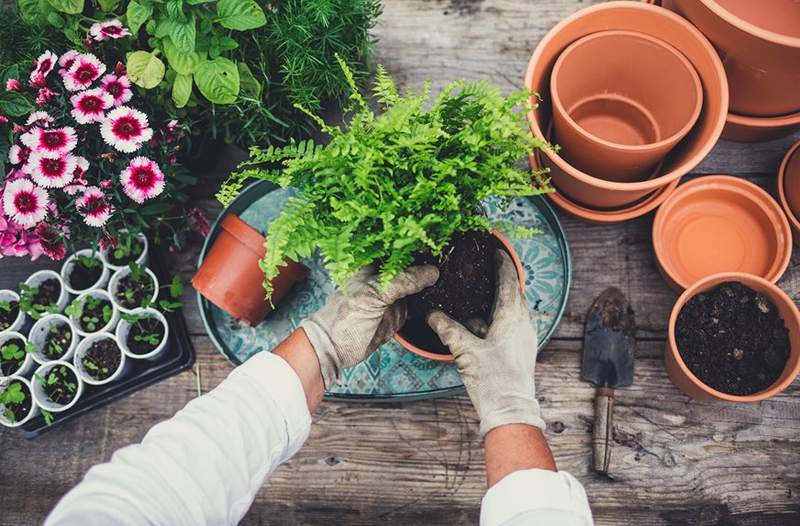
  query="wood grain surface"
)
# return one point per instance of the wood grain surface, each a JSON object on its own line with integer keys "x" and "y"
{"x": 675, "y": 461}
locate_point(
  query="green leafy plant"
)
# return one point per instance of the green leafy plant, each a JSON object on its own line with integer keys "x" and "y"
{"x": 48, "y": 416}
{"x": 91, "y": 366}
{"x": 89, "y": 262}
{"x": 12, "y": 395}
{"x": 390, "y": 186}
{"x": 6, "y": 306}
{"x": 12, "y": 353}
{"x": 29, "y": 304}
{"x": 90, "y": 312}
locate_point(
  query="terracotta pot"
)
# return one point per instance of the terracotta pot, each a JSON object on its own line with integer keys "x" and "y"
{"x": 718, "y": 224}
{"x": 617, "y": 115}
{"x": 449, "y": 357}
{"x": 656, "y": 22}
{"x": 789, "y": 188}
{"x": 743, "y": 128}
{"x": 760, "y": 45}
{"x": 687, "y": 382}
{"x": 231, "y": 278}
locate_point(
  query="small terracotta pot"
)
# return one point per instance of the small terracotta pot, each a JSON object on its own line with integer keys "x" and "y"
{"x": 449, "y": 357}
{"x": 618, "y": 114}
{"x": 687, "y": 382}
{"x": 720, "y": 224}
{"x": 742, "y": 128}
{"x": 761, "y": 49}
{"x": 789, "y": 188}
{"x": 231, "y": 278}
{"x": 656, "y": 22}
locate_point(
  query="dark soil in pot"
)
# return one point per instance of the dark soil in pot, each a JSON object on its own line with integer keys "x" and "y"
{"x": 85, "y": 273}
{"x": 8, "y": 313}
{"x": 57, "y": 341}
{"x": 12, "y": 356}
{"x": 126, "y": 252}
{"x": 16, "y": 411}
{"x": 134, "y": 291}
{"x": 60, "y": 385}
{"x": 47, "y": 293}
{"x": 145, "y": 335}
{"x": 465, "y": 290}
{"x": 95, "y": 314}
{"x": 733, "y": 339}
{"x": 102, "y": 359}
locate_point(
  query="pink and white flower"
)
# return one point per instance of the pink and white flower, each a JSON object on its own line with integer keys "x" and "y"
{"x": 142, "y": 179}
{"x": 108, "y": 29}
{"x": 42, "y": 67}
{"x": 45, "y": 95}
{"x": 94, "y": 207}
{"x": 18, "y": 154}
{"x": 126, "y": 129}
{"x": 59, "y": 140}
{"x": 66, "y": 61}
{"x": 119, "y": 87}
{"x": 81, "y": 167}
{"x": 25, "y": 203}
{"x": 50, "y": 169}
{"x": 41, "y": 118}
{"x": 13, "y": 85}
{"x": 85, "y": 69}
{"x": 90, "y": 106}
{"x": 51, "y": 240}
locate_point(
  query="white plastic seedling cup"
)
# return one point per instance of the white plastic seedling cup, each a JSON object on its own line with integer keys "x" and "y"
{"x": 66, "y": 270}
{"x": 27, "y": 363}
{"x": 109, "y": 326}
{"x": 143, "y": 258}
{"x": 124, "y": 328}
{"x": 34, "y": 411}
{"x": 113, "y": 287}
{"x": 10, "y": 295}
{"x": 84, "y": 347}
{"x": 37, "y": 278}
{"x": 39, "y": 395}
{"x": 41, "y": 329}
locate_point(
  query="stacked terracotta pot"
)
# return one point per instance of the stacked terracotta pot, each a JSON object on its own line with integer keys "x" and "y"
{"x": 635, "y": 96}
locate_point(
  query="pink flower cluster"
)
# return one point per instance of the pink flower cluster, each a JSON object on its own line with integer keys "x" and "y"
{"x": 48, "y": 155}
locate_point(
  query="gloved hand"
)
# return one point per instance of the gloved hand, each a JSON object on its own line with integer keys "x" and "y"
{"x": 350, "y": 327}
{"x": 497, "y": 369}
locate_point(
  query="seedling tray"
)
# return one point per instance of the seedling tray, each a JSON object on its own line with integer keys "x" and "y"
{"x": 178, "y": 356}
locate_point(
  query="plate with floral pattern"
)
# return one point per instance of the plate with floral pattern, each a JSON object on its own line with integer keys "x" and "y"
{"x": 392, "y": 372}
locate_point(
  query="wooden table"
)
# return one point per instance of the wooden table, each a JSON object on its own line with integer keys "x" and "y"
{"x": 676, "y": 461}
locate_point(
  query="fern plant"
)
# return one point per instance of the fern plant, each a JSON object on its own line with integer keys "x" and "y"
{"x": 392, "y": 185}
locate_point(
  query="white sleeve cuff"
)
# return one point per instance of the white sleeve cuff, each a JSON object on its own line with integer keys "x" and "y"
{"x": 544, "y": 497}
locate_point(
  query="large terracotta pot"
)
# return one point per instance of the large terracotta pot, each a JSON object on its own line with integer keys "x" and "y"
{"x": 616, "y": 114}
{"x": 687, "y": 382}
{"x": 760, "y": 46}
{"x": 449, "y": 357}
{"x": 231, "y": 278}
{"x": 659, "y": 23}
{"x": 789, "y": 188}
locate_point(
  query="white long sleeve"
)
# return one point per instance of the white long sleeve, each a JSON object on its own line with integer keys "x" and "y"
{"x": 206, "y": 464}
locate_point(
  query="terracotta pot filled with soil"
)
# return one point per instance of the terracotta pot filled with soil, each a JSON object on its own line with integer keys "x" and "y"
{"x": 84, "y": 270}
{"x": 15, "y": 360}
{"x": 733, "y": 337}
{"x": 719, "y": 223}
{"x": 99, "y": 360}
{"x": 617, "y": 115}
{"x": 16, "y": 403}
{"x": 53, "y": 338}
{"x": 231, "y": 278}
{"x": 93, "y": 312}
{"x": 761, "y": 46}
{"x": 584, "y": 187}
{"x": 11, "y": 316}
{"x": 43, "y": 293}
{"x": 128, "y": 250}
{"x": 465, "y": 290}
{"x": 133, "y": 287}
{"x": 143, "y": 334}
{"x": 789, "y": 188}
{"x": 56, "y": 386}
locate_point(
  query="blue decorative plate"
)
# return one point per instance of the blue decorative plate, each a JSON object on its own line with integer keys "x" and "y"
{"x": 391, "y": 373}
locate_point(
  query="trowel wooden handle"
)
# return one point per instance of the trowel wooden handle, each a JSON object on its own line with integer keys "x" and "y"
{"x": 603, "y": 428}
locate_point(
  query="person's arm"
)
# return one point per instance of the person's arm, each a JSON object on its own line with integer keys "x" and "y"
{"x": 497, "y": 365}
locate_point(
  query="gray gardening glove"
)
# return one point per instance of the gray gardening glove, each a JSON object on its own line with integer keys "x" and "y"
{"x": 497, "y": 369}
{"x": 348, "y": 328}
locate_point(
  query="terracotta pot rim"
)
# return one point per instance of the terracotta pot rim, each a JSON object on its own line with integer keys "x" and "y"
{"x": 777, "y": 295}
{"x": 677, "y": 172}
{"x": 790, "y": 214}
{"x": 643, "y": 207}
{"x": 751, "y": 121}
{"x": 743, "y": 188}
{"x": 244, "y": 233}
{"x": 449, "y": 357}
{"x": 685, "y": 129}
{"x": 749, "y": 28}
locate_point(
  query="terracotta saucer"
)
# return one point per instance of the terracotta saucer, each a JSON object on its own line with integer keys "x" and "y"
{"x": 603, "y": 217}
{"x": 743, "y": 128}
{"x": 789, "y": 188}
{"x": 718, "y": 224}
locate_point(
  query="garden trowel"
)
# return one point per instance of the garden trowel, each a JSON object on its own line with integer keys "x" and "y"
{"x": 608, "y": 349}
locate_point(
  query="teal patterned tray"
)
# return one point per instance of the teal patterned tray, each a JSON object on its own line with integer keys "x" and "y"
{"x": 391, "y": 373}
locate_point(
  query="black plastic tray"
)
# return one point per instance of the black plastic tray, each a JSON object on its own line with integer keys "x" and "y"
{"x": 178, "y": 357}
